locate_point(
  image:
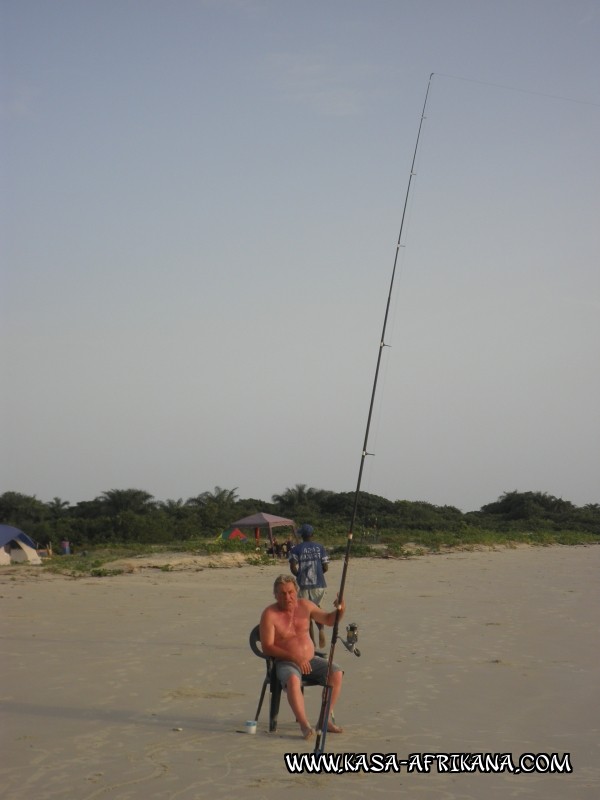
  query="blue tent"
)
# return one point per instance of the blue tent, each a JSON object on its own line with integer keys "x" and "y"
{"x": 16, "y": 546}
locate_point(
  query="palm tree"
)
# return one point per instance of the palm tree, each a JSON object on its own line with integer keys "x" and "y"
{"x": 21, "y": 509}
{"x": 292, "y": 498}
{"x": 174, "y": 508}
{"x": 214, "y": 508}
{"x": 57, "y": 509}
{"x": 117, "y": 501}
{"x": 222, "y": 498}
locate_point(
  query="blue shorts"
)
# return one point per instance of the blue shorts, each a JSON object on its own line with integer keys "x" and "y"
{"x": 285, "y": 669}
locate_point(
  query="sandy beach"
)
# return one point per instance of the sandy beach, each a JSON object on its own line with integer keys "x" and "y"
{"x": 137, "y": 686}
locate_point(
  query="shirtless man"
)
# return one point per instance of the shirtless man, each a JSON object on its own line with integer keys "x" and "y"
{"x": 284, "y": 635}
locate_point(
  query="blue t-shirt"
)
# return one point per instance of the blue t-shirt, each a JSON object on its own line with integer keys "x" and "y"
{"x": 310, "y": 557}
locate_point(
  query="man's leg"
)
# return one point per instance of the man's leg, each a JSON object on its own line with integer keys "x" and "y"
{"x": 322, "y": 642}
{"x": 336, "y": 688}
{"x": 318, "y": 599}
{"x": 320, "y": 673}
{"x": 296, "y": 701}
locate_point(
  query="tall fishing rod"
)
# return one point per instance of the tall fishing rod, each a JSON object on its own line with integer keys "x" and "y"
{"x": 326, "y": 699}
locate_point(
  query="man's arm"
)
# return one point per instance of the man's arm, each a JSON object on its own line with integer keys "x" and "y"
{"x": 325, "y": 617}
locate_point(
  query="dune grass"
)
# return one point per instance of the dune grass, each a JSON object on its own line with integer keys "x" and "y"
{"x": 96, "y": 562}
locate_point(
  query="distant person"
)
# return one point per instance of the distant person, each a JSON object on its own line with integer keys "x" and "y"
{"x": 65, "y": 547}
{"x": 275, "y": 549}
{"x": 309, "y": 563}
{"x": 286, "y": 547}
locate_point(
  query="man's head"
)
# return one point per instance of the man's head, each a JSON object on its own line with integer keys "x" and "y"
{"x": 285, "y": 590}
{"x": 306, "y": 531}
{"x": 281, "y": 579}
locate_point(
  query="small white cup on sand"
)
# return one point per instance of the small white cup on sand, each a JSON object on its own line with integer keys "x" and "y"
{"x": 251, "y": 726}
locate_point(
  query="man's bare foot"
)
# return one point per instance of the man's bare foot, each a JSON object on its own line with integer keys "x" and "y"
{"x": 307, "y": 732}
{"x": 333, "y": 728}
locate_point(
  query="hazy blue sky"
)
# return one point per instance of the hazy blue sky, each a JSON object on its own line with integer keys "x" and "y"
{"x": 201, "y": 202}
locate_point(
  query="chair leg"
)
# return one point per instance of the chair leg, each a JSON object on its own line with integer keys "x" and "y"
{"x": 262, "y": 697}
{"x": 275, "y": 703}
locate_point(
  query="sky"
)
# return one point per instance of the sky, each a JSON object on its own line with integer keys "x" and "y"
{"x": 201, "y": 203}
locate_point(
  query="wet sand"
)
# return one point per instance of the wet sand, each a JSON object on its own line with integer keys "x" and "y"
{"x": 137, "y": 686}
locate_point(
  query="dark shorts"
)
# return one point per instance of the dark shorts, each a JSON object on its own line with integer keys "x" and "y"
{"x": 285, "y": 669}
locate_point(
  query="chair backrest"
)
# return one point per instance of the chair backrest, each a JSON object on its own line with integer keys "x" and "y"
{"x": 255, "y": 642}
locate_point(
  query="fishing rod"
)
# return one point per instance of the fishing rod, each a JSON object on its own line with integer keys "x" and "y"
{"x": 327, "y": 689}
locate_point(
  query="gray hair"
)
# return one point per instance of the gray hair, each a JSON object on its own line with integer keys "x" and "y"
{"x": 284, "y": 579}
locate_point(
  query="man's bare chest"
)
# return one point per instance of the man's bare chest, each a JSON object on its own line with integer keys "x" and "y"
{"x": 288, "y": 626}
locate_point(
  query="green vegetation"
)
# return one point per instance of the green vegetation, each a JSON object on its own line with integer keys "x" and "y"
{"x": 122, "y": 523}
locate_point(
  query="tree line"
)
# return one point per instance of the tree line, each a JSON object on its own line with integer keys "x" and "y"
{"x": 120, "y": 516}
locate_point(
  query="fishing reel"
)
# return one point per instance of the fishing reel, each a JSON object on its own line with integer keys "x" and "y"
{"x": 351, "y": 639}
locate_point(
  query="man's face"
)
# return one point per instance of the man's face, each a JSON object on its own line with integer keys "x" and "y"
{"x": 286, "y": 596}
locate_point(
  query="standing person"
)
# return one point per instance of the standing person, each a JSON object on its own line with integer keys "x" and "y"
{"x": 309, "y": 563}
{"x": 284, "y": 636}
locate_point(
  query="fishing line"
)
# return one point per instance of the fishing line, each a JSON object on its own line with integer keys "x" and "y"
{"x": 327, "y": 689}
